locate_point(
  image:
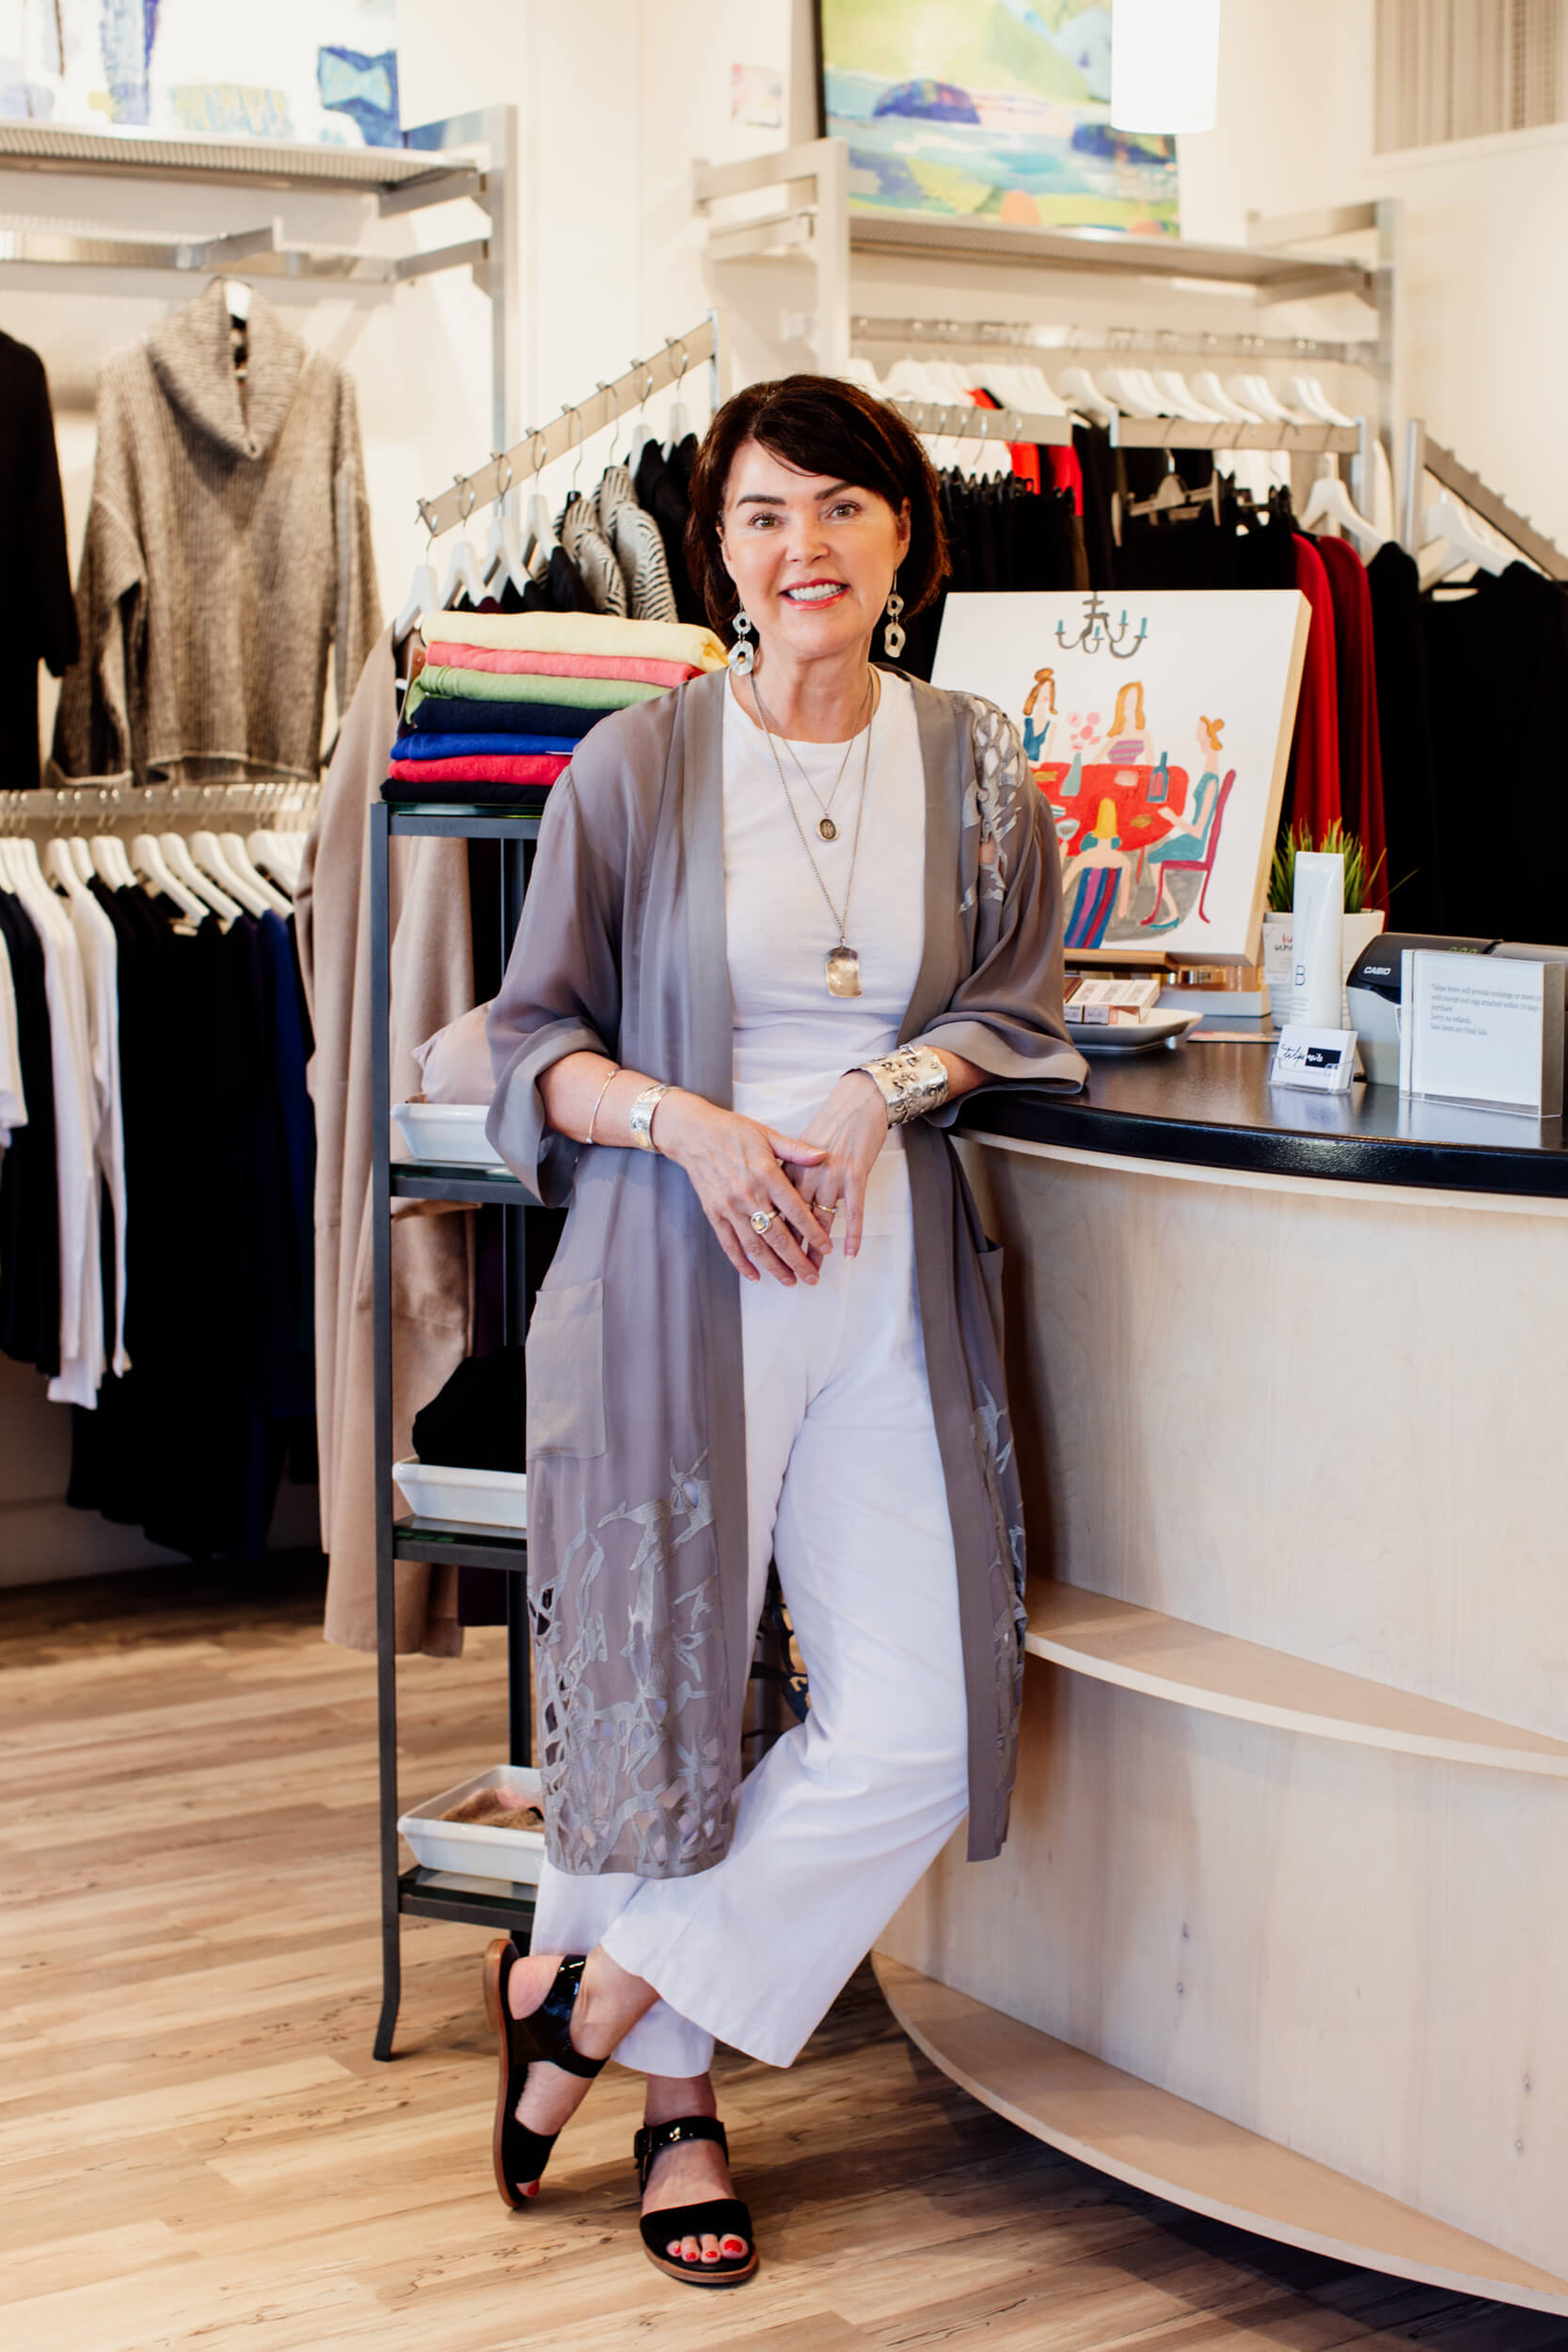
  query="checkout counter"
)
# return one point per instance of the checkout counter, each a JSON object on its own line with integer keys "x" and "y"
{"x": 1279, "y": 1930}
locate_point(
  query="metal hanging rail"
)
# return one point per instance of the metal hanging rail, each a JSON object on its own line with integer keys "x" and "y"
{"x": 120, "y": 808}
{"x": 1426, "y": 456}
{"x": 963, "y": 421}
{"x": 261, "y": 252}
{"x": 1043, "y": 344}
{"x": 540, "y": 447}
{"x": 1178, "y": 433}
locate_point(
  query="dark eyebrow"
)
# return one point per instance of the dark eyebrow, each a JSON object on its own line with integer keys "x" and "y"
{"x": 767, "y": 498}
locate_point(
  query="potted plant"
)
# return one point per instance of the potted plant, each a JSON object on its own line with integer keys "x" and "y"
{"x": 1362, "y": 923}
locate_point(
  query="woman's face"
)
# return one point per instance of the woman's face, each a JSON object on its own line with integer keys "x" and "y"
{"x": 813, "y": 557}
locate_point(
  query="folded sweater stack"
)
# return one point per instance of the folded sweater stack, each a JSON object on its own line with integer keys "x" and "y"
{"x": 503, "y": 699}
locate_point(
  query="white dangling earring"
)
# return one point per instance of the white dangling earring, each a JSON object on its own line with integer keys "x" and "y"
{"x": 742, "y": 654}
{"x": 893, "y": 636}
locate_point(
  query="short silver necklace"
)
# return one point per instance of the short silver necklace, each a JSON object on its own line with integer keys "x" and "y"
{"x": 841, "y": 965}
{"x": 826, "y": 828}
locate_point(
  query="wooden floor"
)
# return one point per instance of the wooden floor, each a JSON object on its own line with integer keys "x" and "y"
{"x": 196, "y": 2148}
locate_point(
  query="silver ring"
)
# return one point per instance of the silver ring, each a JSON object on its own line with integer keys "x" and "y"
{"x": 761, "y": 1220}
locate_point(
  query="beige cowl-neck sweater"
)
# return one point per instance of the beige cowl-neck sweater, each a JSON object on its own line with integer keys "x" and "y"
{"x": 227, "y": 546}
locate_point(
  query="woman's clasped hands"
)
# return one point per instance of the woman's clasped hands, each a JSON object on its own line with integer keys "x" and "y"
{"x": 738, "y": 1169}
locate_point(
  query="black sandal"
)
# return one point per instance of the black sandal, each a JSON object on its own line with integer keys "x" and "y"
{"x": 720, "y": 2218}
{"x": 521, "y": 2154}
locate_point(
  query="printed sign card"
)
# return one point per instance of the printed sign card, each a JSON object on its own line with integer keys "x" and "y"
{"x": 1158, "y": 729}
{"x": 1482, "y": 1029}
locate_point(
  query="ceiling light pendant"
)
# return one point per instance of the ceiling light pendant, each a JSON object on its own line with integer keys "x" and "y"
{"x": 1165, "y": 64}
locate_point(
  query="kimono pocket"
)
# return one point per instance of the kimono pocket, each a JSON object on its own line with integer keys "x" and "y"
{"x": 564, "y": 1356}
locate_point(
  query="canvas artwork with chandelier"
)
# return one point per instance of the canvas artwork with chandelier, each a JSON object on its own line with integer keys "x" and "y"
{"x": 1158, "y": 730}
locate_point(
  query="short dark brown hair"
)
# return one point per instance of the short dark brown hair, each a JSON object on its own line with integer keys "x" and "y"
{"x": 824, "y": 426}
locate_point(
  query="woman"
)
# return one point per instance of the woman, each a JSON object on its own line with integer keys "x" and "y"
{"x": 770, "y": 1332}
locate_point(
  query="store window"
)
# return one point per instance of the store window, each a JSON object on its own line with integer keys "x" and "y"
{"x": 1467, "y": 68}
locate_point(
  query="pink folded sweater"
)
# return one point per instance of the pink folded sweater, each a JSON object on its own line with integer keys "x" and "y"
{"x": 628, "y": 667}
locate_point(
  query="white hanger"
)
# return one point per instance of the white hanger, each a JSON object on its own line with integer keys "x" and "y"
{"x": 1329, "y": 501}
{"x": 184, "y": 867}
{"x": 1186, "y": 403}
{"x": 1080, "y": 390}
{"x": 237, "y": 858}
{"x": 146, "y": 857}
{"x": 1130, "y": 395}
{"x": 1310, "y": 395}
{"x": 1256, "y": 392}
{"x": 1447, "y": 522}
{"x": 462, "y": 572}
{"x": 278, "y": 854}
{"x": 208, "y": 854}
{"x": 540, "y": 542}
{"x": 81, "y": 856}
{"x": 237, "y": 295}
{"x": 106, "y": 852}
{"x": 1213, "y": 394}
{"x": 59, "y": 867}
{"x": 423, "y": 596}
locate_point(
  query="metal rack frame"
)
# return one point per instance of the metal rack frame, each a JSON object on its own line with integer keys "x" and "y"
{"x": 421, "y": 1893}
{"x": 1424, "y": 455}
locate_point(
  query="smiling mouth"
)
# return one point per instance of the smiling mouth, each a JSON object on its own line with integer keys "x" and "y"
{"x": 815, "y": 592}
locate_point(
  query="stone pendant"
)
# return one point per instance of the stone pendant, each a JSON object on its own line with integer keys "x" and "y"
{"x": 843, "y": 969}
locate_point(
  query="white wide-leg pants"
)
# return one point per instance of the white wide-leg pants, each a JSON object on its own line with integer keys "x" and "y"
{"x": 848, "y": 1809}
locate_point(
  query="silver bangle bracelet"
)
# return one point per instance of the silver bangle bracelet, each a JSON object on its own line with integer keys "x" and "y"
{"x": 912, "y": 1080}
{"x": 640, "y": 1119}
{"x": 599, "y": 1101}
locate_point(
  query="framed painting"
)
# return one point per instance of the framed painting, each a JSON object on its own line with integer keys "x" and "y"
{"x": 989, "y": 110}
{"x": 1158, "y": 730}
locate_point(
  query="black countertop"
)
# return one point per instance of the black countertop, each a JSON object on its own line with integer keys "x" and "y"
{"x": 1209, "y": 1104}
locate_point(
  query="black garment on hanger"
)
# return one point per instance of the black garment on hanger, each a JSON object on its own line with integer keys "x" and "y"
{"x": 664, "y": 496}
{"x": 568, "y": 590}
{"x": 1416, "y": 902}
{"x": 1096, "y": 465}
{"x": 1499, "y": 779}
{"x": 38, "y": 617}
{"x": 682, "y": 461}
{"x": 1003, "y": 535}
{"x": 29, "y": 1195}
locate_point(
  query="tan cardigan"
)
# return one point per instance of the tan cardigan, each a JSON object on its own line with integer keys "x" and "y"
{"x": 433, "y": 1249}
{"x": 228, "y": 548}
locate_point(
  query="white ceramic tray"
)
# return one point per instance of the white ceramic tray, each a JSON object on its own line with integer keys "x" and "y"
{"x": 468, "y": 1846}
{"x": 447, "y": 1131}
{"x": 463, "y": 1498}
{"x": 1134, "y": 1037}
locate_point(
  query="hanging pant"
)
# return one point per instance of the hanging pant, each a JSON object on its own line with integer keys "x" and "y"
{"x": 846, "y": 1811}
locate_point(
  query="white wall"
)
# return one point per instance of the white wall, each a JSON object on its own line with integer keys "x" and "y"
{"x": 1486, "y": 323}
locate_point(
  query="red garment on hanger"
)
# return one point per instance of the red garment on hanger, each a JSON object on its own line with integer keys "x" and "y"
{"x": 1067, "y": 473}
{"x": 1360, "y": 743}
{"x": 1312, "y": 791}
{"x": 1026, "y": 456}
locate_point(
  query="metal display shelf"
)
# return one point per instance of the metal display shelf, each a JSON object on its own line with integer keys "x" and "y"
{"x": 421, "y": 1893}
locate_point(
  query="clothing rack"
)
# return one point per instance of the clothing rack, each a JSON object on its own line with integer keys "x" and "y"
{"x": 1426, "y": 456}
{"x": 963, "y": 422}
{"x": 288, "y": 804}
{"x": 541, "y": 446}
{"x": 1016, "y": 335}
{"x": 1178, "y": 433}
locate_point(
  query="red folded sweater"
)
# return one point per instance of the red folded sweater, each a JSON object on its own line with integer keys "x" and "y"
{"x": 494, "y": 768}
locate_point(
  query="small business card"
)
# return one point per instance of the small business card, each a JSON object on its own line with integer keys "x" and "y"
{"x": 1322, "y": 1060}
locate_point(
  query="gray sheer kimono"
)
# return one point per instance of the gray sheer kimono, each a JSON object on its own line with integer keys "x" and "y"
{"x": 636, "y": 1419}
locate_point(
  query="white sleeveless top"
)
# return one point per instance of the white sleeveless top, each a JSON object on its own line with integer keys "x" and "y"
{"x": 793, "y": 1040}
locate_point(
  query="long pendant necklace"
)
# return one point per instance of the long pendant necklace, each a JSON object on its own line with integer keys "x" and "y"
{"x": 826, "y": 828}
{"x": 841, "y": 965}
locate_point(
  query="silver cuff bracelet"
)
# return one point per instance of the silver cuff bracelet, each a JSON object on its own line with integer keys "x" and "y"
{"x": 640, "y": 1119}
{"x": 912, "y": 1080}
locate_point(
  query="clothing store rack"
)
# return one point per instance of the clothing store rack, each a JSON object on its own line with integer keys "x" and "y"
{"x": 1183, "y": 433}
{"x": 1111, "y": 342}
{"x": 541, "y": 446}
{"x": 419, "y": 1892}
{"x": 1426, "y": 456}
{"x": 962, "y": 423}
{"x": 289, "y": 803}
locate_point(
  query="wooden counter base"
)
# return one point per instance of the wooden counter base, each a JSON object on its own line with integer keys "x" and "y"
{"x": 1175, "y": 2150}
{"x": 1288, "y": 1866}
